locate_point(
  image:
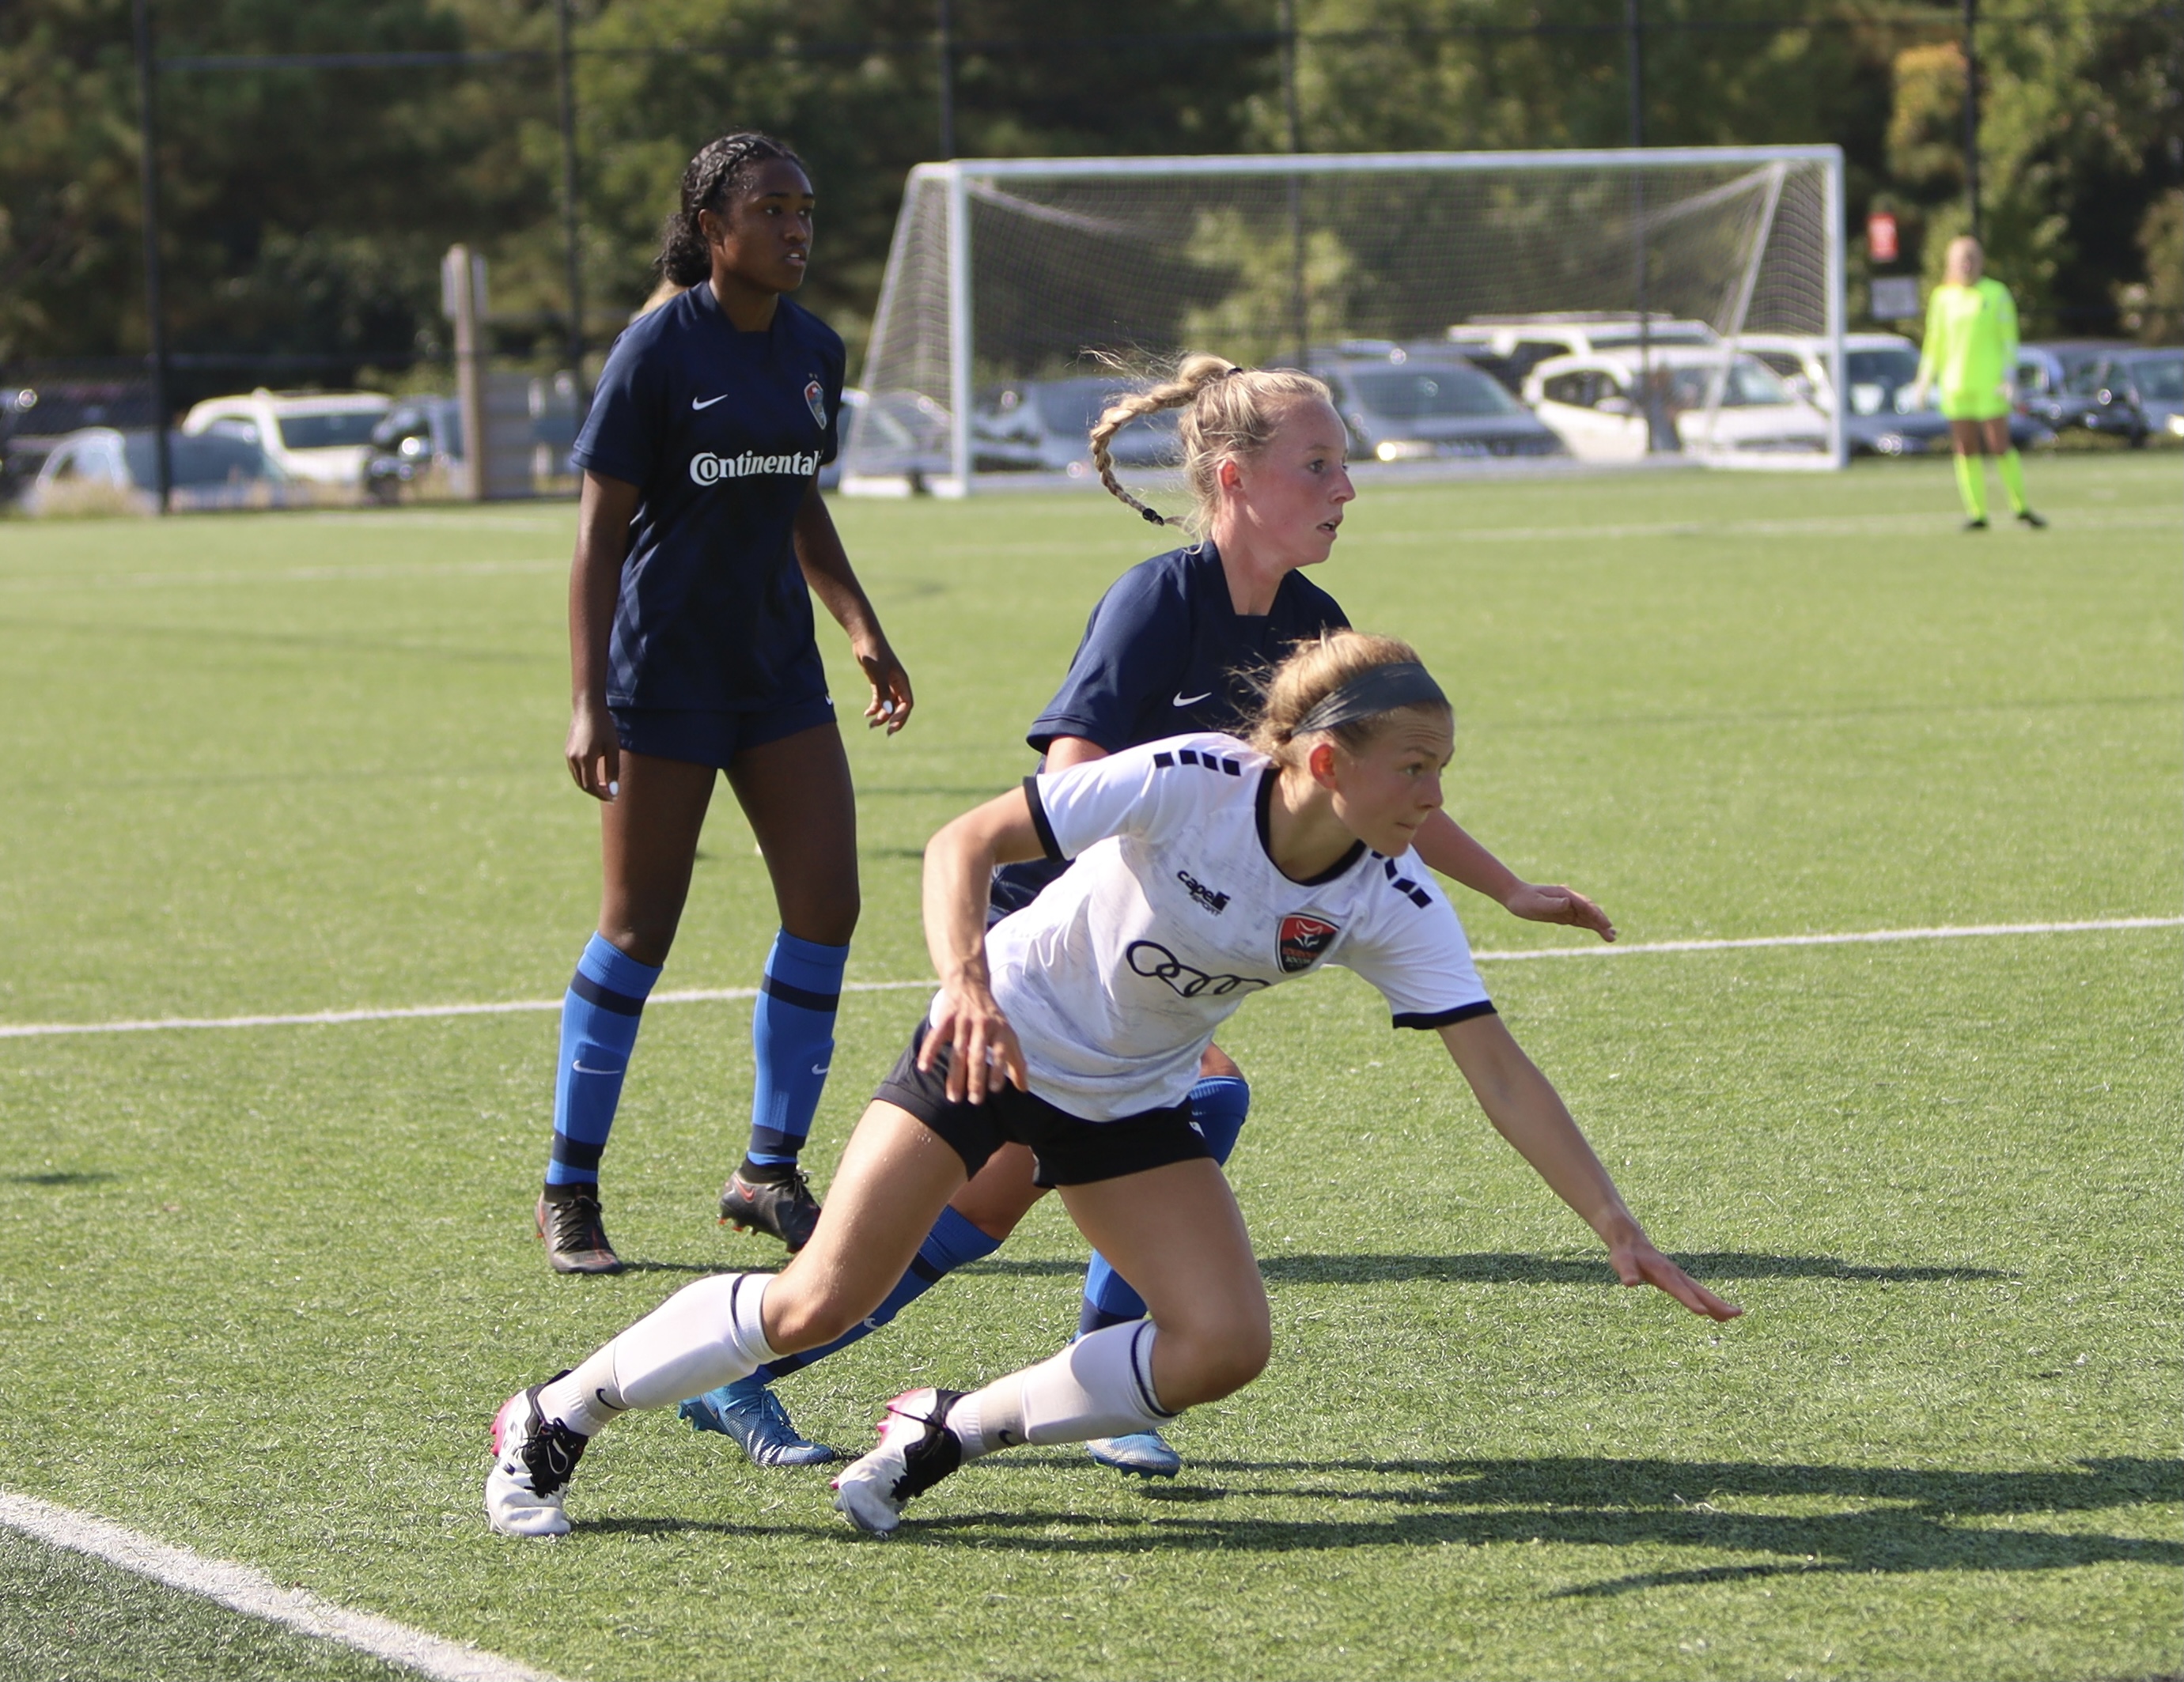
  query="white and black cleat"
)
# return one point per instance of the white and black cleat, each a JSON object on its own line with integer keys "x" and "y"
{"x": 916, "y": 1450}
{"x": 532, "y": 1458}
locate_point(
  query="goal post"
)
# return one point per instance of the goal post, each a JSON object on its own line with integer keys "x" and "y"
{"x": 1008, "y": 271}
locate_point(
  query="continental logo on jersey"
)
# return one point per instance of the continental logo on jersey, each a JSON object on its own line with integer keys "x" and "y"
{"x": 815, "y": 400}
{"x": 1303, "y": 941}
{"x": 711, "y": 469}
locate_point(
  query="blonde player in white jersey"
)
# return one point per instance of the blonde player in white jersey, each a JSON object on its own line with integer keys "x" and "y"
{"x": 1208, "y": 869}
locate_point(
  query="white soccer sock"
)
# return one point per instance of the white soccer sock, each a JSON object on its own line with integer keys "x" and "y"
{"x": 1100, "y": 1386}
{"x": 706, "y": 1334}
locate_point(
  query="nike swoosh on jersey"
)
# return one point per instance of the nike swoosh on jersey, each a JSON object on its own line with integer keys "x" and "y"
{"x": 709, "y": 402}
{"x": 1184, "y": 700}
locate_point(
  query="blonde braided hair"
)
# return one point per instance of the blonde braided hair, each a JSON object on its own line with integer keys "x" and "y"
{"x": 1227, "y": 411}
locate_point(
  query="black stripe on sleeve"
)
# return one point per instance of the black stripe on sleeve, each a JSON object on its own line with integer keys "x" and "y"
{"x": 1461, "y": 1013}
{"x": 1038, "y": 822}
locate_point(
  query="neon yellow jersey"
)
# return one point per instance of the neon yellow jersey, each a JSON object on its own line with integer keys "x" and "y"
{"x": 1971, "y": 349}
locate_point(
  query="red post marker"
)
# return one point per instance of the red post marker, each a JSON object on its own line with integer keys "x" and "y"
{"x": 1881, "y": 236}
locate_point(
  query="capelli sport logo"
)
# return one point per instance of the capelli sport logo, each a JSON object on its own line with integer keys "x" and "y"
{"x": 815, "y": 400}
{"x": 711, "y": 469}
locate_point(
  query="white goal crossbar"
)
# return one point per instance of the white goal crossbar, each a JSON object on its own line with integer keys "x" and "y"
{"x": 1011, "y": 270}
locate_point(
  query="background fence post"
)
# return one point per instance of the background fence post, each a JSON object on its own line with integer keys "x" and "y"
{"x": 148, "y": 137}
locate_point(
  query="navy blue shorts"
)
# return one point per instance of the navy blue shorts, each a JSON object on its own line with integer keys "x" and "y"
{"x": 1066, "y": 1149}
{"x": 714, "y": 738}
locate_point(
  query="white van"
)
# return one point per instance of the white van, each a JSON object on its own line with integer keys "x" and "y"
{"x": 323, "y": 437}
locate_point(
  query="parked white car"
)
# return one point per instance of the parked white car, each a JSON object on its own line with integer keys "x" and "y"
{"x": 1509, "y": 346}
{"x": 323, "y": 437}
{"x": 1594, "y": 403}
{"x": 101, "y": 470}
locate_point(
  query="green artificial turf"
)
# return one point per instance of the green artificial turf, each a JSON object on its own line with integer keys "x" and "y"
{"x": 73, "y": 1620}
{"x": 261, "y": 1288}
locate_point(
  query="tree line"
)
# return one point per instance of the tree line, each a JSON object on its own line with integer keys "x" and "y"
{"x": 316, "y": 158}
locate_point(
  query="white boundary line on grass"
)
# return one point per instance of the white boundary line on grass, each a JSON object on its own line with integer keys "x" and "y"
{"x": 246, "y": 1590}
{"x": 697, "y": 995}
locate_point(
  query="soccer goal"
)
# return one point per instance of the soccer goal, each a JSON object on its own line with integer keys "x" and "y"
{"x": 1605, "y": 292}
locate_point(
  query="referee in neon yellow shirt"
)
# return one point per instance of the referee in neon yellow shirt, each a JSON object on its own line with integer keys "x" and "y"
{"x": 1971, "y": 353}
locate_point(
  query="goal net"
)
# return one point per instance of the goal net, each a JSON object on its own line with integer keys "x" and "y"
{"x": 1006, "y": 273}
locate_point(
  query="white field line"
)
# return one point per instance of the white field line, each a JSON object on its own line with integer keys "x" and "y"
{"x": 331, "y": 570}
{"x": 1824, "y": 525}
{"x": 694, "y": 995}
{"x": 699, "y": 995}
{"x": 253, "y": 1593}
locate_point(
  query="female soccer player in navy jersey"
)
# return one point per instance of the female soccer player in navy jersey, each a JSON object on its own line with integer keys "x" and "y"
{"x": 1208, "y": 869}
{"x": 1178, "y": 642}
{"x": 701, "y": 539}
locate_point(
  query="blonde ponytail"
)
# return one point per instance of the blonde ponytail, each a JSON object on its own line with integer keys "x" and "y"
{"x": 1227, "y": 411}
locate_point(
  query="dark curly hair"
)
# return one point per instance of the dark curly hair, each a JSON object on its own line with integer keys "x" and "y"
{"x": 708, "y": 184}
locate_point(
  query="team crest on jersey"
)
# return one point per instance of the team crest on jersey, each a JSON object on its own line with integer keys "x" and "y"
{"x": 815, "y": 400}
{"x": 1303, "y": 941}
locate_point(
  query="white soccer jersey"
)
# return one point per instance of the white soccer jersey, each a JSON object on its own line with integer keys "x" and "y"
{"x": 1117, "y": 977}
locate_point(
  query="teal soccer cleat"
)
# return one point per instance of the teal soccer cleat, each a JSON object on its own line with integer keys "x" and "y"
{"x": 753, "y": 1416}
{"x": 1142, "y": 1453}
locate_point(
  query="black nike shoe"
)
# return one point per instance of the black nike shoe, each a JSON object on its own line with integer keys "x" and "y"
{"x": 1978, "y": 525}
{"x": 2025, "y": 516}
{"x": 916, "y": 1450}
{"x": 576, "y": 1238}
{"x": 784, "y": 1207}
{"x": 532, "y": 1458}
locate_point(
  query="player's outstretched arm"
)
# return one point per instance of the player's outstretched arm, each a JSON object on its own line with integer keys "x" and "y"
{"x": 826, "y": 566}
{"x": 1447, "y": 847}
{"x": 1528, "y": 1112}
{"x": 602, "y": 516}
{"x": 959, "y": 865}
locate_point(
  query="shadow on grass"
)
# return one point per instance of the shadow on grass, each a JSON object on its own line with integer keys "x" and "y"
{"x": 1519, "y": 1268}
{"x": 62, "y": 1177}
{"x": 1889, "y": 1519}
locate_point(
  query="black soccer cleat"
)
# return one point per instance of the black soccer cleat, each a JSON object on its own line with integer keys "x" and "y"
{"x": 1978, "y": 525}
{"x": 568, "y": 1218}
{"x": 784, "y": 1207}
{"x": 916, "y": 1450}
{"x": 2026, "y": 517}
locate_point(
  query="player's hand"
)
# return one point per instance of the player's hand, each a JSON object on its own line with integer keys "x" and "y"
{"x": 1638, "y": 1263}
{"x": 982, "y": 1053}
{"x": 891, "y": 702}
{"x": 593, "y": 752}
{"x": 1558, "y": 904}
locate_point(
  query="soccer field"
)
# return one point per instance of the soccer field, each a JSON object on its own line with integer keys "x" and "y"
{"x": 262, "y": 1286}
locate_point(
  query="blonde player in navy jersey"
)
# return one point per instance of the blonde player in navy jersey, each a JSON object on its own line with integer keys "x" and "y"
{"x": 1208, "y": 869}
{"x": 1178, "y": 642}
{"x": 701, "y": 539}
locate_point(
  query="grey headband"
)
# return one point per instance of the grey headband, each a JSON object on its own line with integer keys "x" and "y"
{"x": 1380, "y": 688}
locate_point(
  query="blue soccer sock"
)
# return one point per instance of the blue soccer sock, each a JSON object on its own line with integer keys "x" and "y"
{"x": 793, "y": 1032}
{"x": 599, "y": 1016}
{"x": 1218, "y": 1105}
{"x": 952, "y": 1242}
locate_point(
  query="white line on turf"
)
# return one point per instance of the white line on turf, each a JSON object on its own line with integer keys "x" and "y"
{"x": 699, "y": 995}
{"x": 252, "y": 1592}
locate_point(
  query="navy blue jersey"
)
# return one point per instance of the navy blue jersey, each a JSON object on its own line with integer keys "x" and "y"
{"x": 1165, "y": 652}
{"x": 721, "y": 431}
